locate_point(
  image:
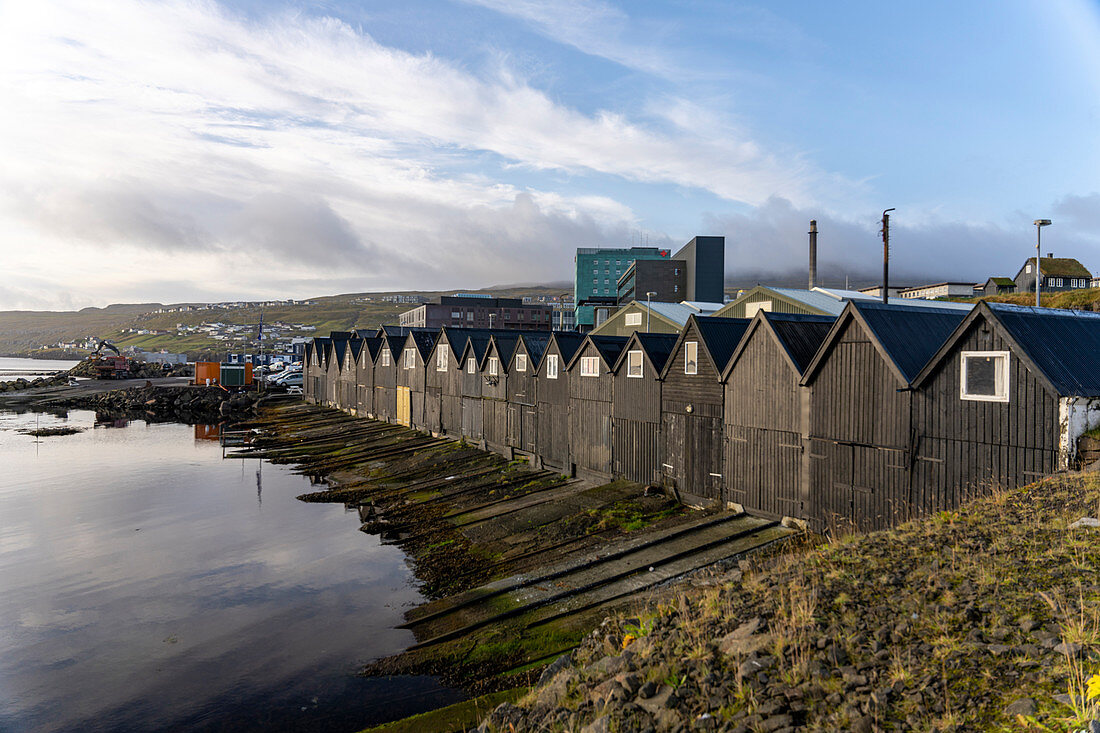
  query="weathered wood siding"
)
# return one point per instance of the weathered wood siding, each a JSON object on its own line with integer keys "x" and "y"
{"x": 522, "y": 401}
{"x": 763, "y": 429}
{"x": 385, "y": 388}
{"x": 966, "y": 447}
{"x": 590, "y": 416}
{"x": 364, "y": 382}
{"x": 413, "y": 378}
{"x": 494, "y": 401}
{"x": 553, "y": 413}
{"x": 636, "y": 424}
{"x": 691, "y": 441}
{"x": 346, "y": 394}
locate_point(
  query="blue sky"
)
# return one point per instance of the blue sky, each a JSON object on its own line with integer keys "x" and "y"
{"x": 184, "y": 150}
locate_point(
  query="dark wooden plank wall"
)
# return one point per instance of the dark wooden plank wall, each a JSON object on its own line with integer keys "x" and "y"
{"x": 691, "y": 442}
{"x": 332, "y": 382}
{"x": 552, "y": 437}
{"x": 964, "y": 447}
{"x": 364, "y": 382}
{"x": 590, "y": 416}
{"x": 494, "y": 401}
{"x": 346, "y": 397}
{"x": 414, "y": 379}
{"x": 522, "y": 398}
{"x": 636, "y": 429}
{"x": 385, "y": 392}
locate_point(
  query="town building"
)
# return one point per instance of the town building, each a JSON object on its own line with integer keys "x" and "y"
{"x": 939, "y": 290}
{"x": 596, "y": 278}
{"x": 875, "y": 291}
{"x": 666, "y": 279}
{"x": 818, "y": 301}
{"x": 1058, "y": 273}
{"x": 479, "y": 311}
{"x": 653, "y": 317}
{"x": 999, "y": 286}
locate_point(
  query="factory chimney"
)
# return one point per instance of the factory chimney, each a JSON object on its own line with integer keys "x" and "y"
{"x": 813, "y": 253}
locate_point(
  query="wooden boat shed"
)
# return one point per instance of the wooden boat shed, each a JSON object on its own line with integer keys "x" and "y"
{"x": 552, "y": 433}
{"x": 522, "y": 391}
{"x": 766, "y": 413}
{"x": 591, "y": 389}
{"x": 636, "y": 407}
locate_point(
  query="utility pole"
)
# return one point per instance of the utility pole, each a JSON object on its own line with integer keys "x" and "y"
{"x": 886, "y": 255}
{"x": 1039, "y": 224}
{"x": 648, "y": 299}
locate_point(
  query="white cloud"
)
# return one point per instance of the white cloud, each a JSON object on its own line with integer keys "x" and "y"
{"x": 138, "y": 136}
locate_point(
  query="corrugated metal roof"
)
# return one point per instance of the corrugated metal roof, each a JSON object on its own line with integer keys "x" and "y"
{"x": 506, "y": 345}
{"x": 800, "y": 335}
{"x": 658, "y": 347}
{"x": 1063, "y": 344}
{"x": 911, "y": 302}
{"x": 679, "y": 313}
{"x": 609, "y": 347}
{"x": 909, "y": 335}
{"x": 424, "y": 341}
{"x": 536, "y": 345}
{"x": 568, "y": 343}
{"x": 720, "y": 337}
{"x": 457, "y": 337}
{"x": 478, "y": 343}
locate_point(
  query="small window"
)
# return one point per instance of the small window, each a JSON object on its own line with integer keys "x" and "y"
{"x": 494, "y": 366}
{"x": 634, "y": 364}
{"x": 441, "y": 360}
{"x": 456, "y": 314}
{"x": 471, "y": 365}
{"x": 385, "y": 357}
{"x": 590, "y": 366}
{"x": 984, "y": 376}
{"x": 552, "y": 366}
{"x": 691, "y": 357}
{"x": 1027, "y": 268}
{"x": 521, "y": 362}
{"x": 633, "y": 319}
{"x": 470, "y": 316}
{"x": 410, "y": 358}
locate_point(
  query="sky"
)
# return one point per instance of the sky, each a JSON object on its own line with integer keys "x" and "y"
{"x": 192, "y": 150}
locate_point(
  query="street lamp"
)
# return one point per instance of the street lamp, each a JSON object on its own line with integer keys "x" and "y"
{"x": 648, "y": 296}
{"x": 1039, "y": 224}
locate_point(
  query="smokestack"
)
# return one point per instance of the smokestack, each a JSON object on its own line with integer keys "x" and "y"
{"x": 813, "y": 253}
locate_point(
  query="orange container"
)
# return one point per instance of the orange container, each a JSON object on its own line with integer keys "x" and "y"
{"x": 205, "y": 370}
{"x": 248, "y": 373}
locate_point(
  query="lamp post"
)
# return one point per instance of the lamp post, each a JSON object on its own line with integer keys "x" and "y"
{"x": 491, "y": 317}
{"x": 648, "y": 296}
{"x": 1039, "y": 224}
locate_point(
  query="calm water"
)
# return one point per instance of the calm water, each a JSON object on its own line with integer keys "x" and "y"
{"x": 148, "y": 584}
{"x": 11, "y": 368}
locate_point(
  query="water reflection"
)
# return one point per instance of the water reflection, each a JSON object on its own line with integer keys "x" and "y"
{"x": 146, "y": 587}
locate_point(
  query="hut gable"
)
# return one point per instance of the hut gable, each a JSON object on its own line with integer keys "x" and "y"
{"x": 691, "y": 375}
{"x": 591, "y": 365}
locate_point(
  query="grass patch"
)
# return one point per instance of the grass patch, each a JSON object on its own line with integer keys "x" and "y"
{"x": 458, "y": 717}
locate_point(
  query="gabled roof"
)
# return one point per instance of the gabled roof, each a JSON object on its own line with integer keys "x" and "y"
{"x": 657, "y": 347}
{"x": 339, "y": 347}
{"x": 372, "y": 344}
{"x": 535, "y": 343}
{"x": 679, "y": 313}
{"x": 905, "y": 336}
{"x": 568, "y": 343}
{"x": 320, "y": 347}
{"x": 1061, "y": 347}
{"x": 456, "y": 337}
{"x": 395, "y": 343}
{"x": 505, "y": 345}
{"x": 1057, "y": 267}
{"x": 1005, "y": 281}
{"x": 365, "y": 333}
{"x": 356, "y": 347}
{"x": 476, "y": 344}
{"x": 608, "y": 347}
{"x": 798, "y": 335}
{"x": 843, "y": 295}
{"x": 720, "y": 337}
{"x": 423, "y": 341}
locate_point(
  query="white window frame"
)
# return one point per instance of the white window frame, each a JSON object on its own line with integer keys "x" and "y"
{"x": 691, "y": 357}
{"x": 633, "y": 319}
{"x": 590, "y": 366}
{"x": 494, "y": 366}
{"x": 1002, "y": 379}
{"x": 441, "y": 360}
{"x": 521, "y": 362}
{"x": 635, "y": 364}
{"x": 385, "y": 357}
{"x": 471, "y": 365}
{"x": 410, "y": 358}
{"x": 552, "y": 366}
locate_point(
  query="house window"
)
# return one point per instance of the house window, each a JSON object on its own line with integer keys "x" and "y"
{"x": 1027, "y": 268}
{"x": 634, "y": 364}
{"x": 385, "y": 357}
{"x": 410, "y": 358}
{"x": 691, "y": 357}
{"x": 552, "y": 366}
{"x": 984, "y": 376}
{"x": 471, "y": 365}
{"x": 494, "y": 366}
{"x": 441, "y": 360}
{"x": 456, "y": 314}
{"x": 521, "y": 362}
{"x": 633, "y": 319}
{"x": 470, "y": 316}
{"x": 590, "y": 366}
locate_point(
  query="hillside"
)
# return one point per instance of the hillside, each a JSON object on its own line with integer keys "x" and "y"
{"x": 24, "y": 333}
{"x": 984, "y": 619}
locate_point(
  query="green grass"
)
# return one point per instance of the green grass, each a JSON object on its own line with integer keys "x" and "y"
{"x": 458, "y": 717}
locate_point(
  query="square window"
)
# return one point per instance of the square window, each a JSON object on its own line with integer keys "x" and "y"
{"x": 984, "y": 376}
{"x": 634, "y": 364}
{"x": 521, "y": 362}
{"x": 633, "y": 319}
{"x": 590, "y": 366}
{"x": 552, "y": 366}
{"x": 691, "y": 357}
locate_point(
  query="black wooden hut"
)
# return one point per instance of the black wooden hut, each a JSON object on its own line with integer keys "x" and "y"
{"x": 410, "y": 378}
{"x": 471, "y": 383}
{"x": 1003, "y": 401}
{"x": 861, "y": 432}
{"x": 315, "y": 369}
{"x": 766, "y": 413}
{"x": 591, "y": 388}
{"x": 337, "y": 350}
{"x": 552, "y": 433}
{"x": 636, "y": 408}
{"x": 494, "y": 390}
{"x": 522, "y": 389}
{"x": 345, "y": 387}
{"x": 691, "y": 407}
{"x": 443, "y": 382}
{"x": 364, "y": 375}
{"x": 385, "y": 377}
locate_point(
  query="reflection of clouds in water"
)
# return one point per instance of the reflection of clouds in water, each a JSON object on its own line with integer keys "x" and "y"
{"x": 213, "y": 594}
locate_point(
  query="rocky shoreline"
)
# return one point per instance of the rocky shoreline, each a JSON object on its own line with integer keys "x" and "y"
{"x": 186, "y": 404}
{"x": 981, "y": 619}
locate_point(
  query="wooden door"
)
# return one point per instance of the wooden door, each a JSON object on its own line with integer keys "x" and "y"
{"x": 404, "y": 406}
